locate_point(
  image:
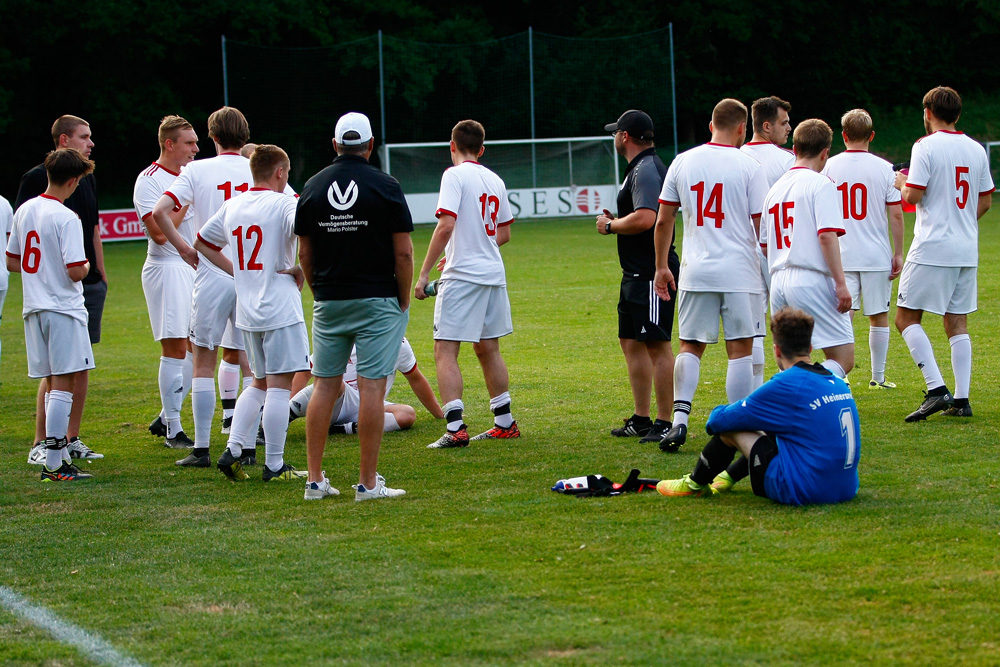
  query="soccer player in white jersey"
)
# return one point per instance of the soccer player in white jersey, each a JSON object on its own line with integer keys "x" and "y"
{"x": 771, "y": 128}
{"x": 721, "y": 191}
{"x": 46, "y": 248}
{"x": 950, "y": 183}
{"x": 866, "y": 185}
{"x": 472, "y": 306}
{"x": 6, "y": 222}
{"x": 259, "y": 230}
{"x": 167, "y": 282}
{"x": 798, "y": 233}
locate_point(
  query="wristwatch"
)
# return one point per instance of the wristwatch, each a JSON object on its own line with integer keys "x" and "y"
{"x": 607, "y": 227}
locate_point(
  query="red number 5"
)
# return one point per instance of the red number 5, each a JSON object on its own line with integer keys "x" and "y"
{"x": 962, "y": 186}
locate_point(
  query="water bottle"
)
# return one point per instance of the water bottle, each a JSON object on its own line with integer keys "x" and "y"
{"x": 431, "y": 288}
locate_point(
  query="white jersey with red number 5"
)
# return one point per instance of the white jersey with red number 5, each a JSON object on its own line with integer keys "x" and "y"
{"x": 477, "y": 198}
{"x": 953, "y": 171}
{"x": 798, "y": 208}
{"x": 46, "y": 240}
{"x": 258, "y": 229}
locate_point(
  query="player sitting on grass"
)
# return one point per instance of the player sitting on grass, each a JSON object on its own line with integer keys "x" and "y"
{"x": 799, "y": 431}
{"x": 258, "y": 228}
{"x": 46, "y": 247}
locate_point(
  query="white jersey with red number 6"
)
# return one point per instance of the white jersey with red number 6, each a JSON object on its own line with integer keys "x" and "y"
{"x": 258, "y": 230}
{"x": 477, "y": 198}
{"x": 798, "y": 208}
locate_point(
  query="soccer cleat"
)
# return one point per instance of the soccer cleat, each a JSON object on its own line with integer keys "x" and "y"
{"x": 158, "y": 428}
{"x": 931, "y": 404}
{"x": 959, "y": 410}
{"x": 722, "y": 483}
{"x": 657, "y": 431}
{"x": 231, "y": 466}
{"x": 674, "y": 438}
{"x": 343, "y": 429}
{"x": 36, "y": 456}
{"x": 499, "y": 432}
{"x": 67, "y": 472}
{"x": 227, "y": 425}
{"x": 194, "y": 461}
{"x": 459, "y": 438}
{"x": 885, "y": 384}
{"x": 380, "y": 490}
{"x": 78, "y": 450}
{"x": 635, "y": 427}
{"x": 248, "y": 457}
{"x": 675, "y": 488}
{"x": 320, "y": 490}
{"x": 286, "y": 473}
{"x": 179, "y": 441}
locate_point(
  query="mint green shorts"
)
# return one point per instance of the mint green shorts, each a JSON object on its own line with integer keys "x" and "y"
{"x": 374, "y": 325}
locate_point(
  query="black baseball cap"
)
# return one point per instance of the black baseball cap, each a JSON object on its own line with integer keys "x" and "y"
{"x": 636, "y": 123}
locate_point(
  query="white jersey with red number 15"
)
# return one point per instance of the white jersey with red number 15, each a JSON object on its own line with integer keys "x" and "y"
{"x": 477, "y": 198}
{"x": 954, "y": 171}
{"x": 258, "y": 229}
{"x": 866, "y": 185}
{"x": 46, "y": 240}
{"x": 775, "y": 159}
{"x": 720, "y": 189}
{"x": 798, "y": 208}
{"x": 150, "y": 185}
{"x": 405, "y": 363}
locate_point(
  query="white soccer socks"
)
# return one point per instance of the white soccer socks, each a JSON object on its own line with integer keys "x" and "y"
{"x": 453, "y": 411}
{"x": 229, "y": 386}
{"x": 758, "y": 361}
{"x": 739, "y": 379}
{"x": 961, "y": 364}
{"x": 878, "y": 343}
{"x": 300, "y": 402}
{"x": 500, "y": 407}
{"x": 171, "y": 382}
{"x": 687, "y": 368}
{"x": 275, "y": 421}
{"x": 245, "y": 417}
{"x": 835, "y": 368}
{"x": 203, "y": 410}
{"x": 389, "y": 423}
{"x": 923, "y": 355}
{"x": 58, "y": 405}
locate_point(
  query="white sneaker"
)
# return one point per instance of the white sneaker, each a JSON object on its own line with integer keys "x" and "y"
{"x": 36, "y": 456}
{"x": 380, "y": 490}
{"x": 78, "y": 450}
{"x": 320, "y": 490}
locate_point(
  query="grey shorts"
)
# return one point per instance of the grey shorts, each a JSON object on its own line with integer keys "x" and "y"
{"x": 375, "y": 325}
{"x": 93, "y": 300}
{"x": 57, "y": 344}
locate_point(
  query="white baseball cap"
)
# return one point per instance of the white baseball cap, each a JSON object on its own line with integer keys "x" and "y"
{"x": 353, "y": 122}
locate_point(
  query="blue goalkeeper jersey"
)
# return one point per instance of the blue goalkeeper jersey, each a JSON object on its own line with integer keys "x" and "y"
{"x": 813, "y": 418}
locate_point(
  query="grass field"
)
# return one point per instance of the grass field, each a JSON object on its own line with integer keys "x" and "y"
{"x": 480, "y": 564}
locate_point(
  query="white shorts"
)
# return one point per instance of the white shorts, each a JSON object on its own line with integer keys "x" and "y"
{"x": 872, "y": 287}
{"x": 213, "y": 309}
{"x": 470, "y": 313}
{"x": 938, "y": 289}
{"x": 698, "y": 315}
{"x": 284, "y": 350}
{"x": 348, "y": 406}
{"x": 815, "y": 293}
{"x": 57, "y": 344}
{"x": 168, "y": 288}
{"x": 232, "y": 338}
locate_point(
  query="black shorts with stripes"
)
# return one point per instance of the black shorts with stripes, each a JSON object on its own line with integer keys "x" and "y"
{"x": 641, "y": 314}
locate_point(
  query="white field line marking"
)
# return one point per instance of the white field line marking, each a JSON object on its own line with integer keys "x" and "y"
{"x": 90, "y": 645}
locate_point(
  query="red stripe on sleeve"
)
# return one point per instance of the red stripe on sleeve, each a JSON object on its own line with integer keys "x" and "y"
{"x": 146, "y": 216}
{"x": 988, "y": 192}
{"x": 210, "y": 245}
{"x": 669, "y": 203}
{"x": 894, "y": 203}
{"x": 504, "y": 224}
{"x": 916, "y": 187}
{"x": 10, "y": 254}
{"x": 174, "y": 197}
{"x": 443, "y": 211}
{"x": 838, "y": 232}
{"x": 411, "y": 370}
{"x": 72, "y": 264}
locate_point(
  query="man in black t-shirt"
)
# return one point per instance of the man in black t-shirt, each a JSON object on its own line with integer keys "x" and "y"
{"x": 73, "y": 132}
{"x": 354, "y": 247}
{"x": 644, "y": 320}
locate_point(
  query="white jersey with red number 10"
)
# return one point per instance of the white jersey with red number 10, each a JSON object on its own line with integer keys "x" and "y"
{"x": 259, "y": 231}
{"x": 46, "y": 240}
{"x": 405, "y": 363}
{"x": 775, "y": 159}
{"x": 954, "y": 171}
{"x": 477, "y": 198}
{"x": 720, "y": 189}
{"x": 866, "y": 185}
{"x": 798, "y": 208}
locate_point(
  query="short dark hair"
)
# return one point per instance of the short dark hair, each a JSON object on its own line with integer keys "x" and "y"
{"x": 792, "y": 330}
{"x": 468, "y": 136}
{"x": 945, "y": 103}
{"x": 353, "y": 149}
{"x": 728, "y": 114}
{"x": 63, "y": 164}
{"x": 765, "y": 110}
{"x": 229, "y": 127}
{"x": 265, "y": 159}
{"x": 811, "y": 137}
{"x": 66, "y": 125}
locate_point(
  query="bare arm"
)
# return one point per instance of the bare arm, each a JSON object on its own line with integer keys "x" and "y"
{"x": 99, "y": 253}
{"x": 402, "y": 246}
{"x": 214, "y": 256}
{"x": 13, "y": 264}
{"x": 176, "y": 217}
{"x": 831, "y": 253}
{"x": 896, "y": 229}
{"x": 77, "y": 273}
{"x": 306, "y": 259}
{"x": 439, "y": 239}
{"x": 503, "y": 234}
{"x": 161, "y": 216}
{"x": 985, "y": 202}
{"x": 422, "y": 388}
{"x": 663, "y": 235}
{"x": 633, "y": 223}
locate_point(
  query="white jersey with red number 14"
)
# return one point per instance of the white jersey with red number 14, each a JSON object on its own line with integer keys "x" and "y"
{"x": 150, "y": 185}
{"x": 720, "y": 189}
{"x": 259, "y": 230}
{"x": 798, "y": 208}
{"x": 46, "y": 240}
{"x": 954, "y": 171}
{"x": 866, "y": 185}
{"x": 477, "y": 198}
{"x": 775, "y": 159}
{"x": 405, "y": 363}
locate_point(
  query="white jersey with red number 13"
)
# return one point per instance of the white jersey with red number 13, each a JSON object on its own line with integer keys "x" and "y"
{"x": 775, "y": 159}
{"x": 866, "y": 185}
{"x": 258, "y": 229}
{"x": 954, "y": 171}
{"x": 798, "y": 208}
{"x": 477, "y": 198}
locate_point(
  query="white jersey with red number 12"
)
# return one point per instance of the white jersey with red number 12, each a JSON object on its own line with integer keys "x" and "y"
{"x": 775, "y": 159}
{"x": 798, "y": 208}
{"x": 477, "y": 198}
{"x": 866, "y": 185}
{"x": 258, "y": 229}
{"x": 953, "y": 171}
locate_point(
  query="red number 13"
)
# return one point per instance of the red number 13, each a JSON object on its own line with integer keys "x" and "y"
{"x": 491, "y": 204}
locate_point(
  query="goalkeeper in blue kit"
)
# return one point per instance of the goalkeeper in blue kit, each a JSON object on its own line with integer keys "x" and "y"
{"x": 799, "y": 432}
